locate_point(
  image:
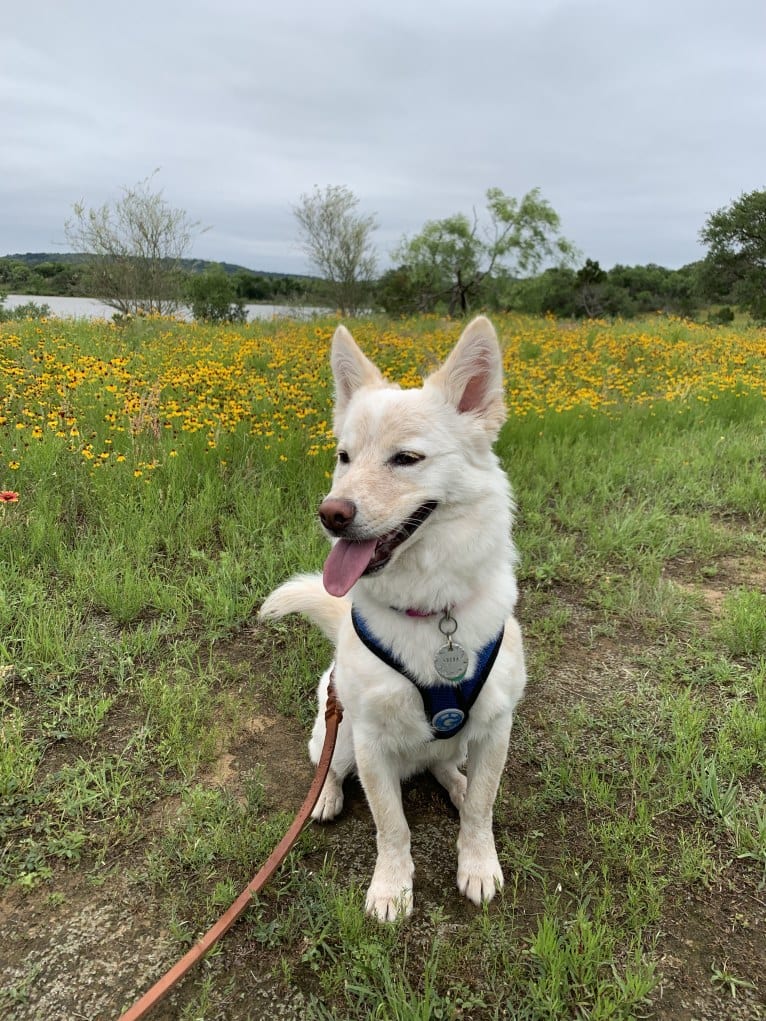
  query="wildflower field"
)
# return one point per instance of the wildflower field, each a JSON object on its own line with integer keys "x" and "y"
{"x": 107, "y": 390}
{"x": 158, "y": 478}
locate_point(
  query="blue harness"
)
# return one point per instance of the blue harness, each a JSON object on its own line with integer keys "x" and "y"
{"x": 446, "y": 706}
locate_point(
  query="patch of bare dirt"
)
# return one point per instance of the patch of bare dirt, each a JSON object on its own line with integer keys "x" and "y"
{"x": 91, "y": 956}
{"x": 729, "y": 574}
{"x": 78, "y": 950}
{"x": 713, "y": 957}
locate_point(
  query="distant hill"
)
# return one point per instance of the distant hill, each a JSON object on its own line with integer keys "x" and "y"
{"x": 35, "y": 258}
{"x": 64, "y": 274}
{"x": 190, "y": 265}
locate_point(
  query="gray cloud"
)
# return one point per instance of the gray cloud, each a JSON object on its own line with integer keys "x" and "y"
{"x": 634, "y": 120}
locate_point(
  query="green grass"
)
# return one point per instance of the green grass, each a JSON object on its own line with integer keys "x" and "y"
{"x": 129, "y": 663}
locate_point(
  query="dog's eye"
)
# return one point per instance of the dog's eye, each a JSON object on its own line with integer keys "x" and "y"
{"x": 404, "y": 458}
{"x": 343, "y": 457}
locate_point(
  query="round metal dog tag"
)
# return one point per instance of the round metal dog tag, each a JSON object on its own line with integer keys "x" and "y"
{"x": 451, "y": 662}
{"x": 446, "y": 720}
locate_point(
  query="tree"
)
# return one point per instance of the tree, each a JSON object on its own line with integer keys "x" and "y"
{"x": 134, "y": 250}
{"x": 43, "y": 276}
{"x": 452, "y": 259}
{"x": 554, "y": 291}
{"x": 396, "y": 292}
{"x": 338, "y": 242}
{"x": 15, "y": 275}
{"x": 736, "y": 258}
{"x": 213, "y": 297}
{"x": 590, "y": 279}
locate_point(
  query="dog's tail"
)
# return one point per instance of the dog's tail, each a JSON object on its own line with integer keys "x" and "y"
{"x": 306, "y": 594}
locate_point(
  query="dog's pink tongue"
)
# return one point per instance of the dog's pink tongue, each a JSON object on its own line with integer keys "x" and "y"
{"x": 346, "y": 564}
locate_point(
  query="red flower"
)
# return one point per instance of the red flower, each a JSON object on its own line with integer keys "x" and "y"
{"x": 8, "y": 496}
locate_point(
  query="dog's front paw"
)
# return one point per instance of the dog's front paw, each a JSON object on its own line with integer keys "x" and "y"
{"x": 479, "y": 875}
{"x": 386, "y": 903}
{"x": 390, "y": 892}
{"x": 330, "y": 801}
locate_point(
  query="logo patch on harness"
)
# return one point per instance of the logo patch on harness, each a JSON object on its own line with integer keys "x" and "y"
{"x": 447, "y": 720}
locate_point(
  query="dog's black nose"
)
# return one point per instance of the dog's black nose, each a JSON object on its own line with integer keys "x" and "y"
{"x": 336, "y": 515}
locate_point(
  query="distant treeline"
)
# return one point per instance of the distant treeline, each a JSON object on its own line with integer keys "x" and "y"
{"x": 63, "y": 274}
{"x": 590, "y": 291}
{"x": 623, "y": 291}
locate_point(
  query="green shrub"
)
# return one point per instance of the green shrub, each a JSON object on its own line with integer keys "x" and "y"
{"x": 212, "y": 296}
{"x": 29, "y": 310}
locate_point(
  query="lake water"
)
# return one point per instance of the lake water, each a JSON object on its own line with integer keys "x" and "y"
{"x": 89, "y": 308}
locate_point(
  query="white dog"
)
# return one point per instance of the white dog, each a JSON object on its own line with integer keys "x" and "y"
{"x": 418, "y": 595}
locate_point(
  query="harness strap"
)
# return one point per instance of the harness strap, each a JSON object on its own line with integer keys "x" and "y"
{"x": 447, "y": 706}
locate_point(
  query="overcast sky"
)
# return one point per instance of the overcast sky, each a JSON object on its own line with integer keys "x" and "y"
{"x": 634, "y": 119}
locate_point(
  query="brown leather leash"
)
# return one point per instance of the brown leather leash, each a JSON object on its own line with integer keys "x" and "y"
{"x": 333, "y": 716}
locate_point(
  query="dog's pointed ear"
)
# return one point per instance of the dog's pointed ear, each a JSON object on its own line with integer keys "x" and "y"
{"x": 472, "y": 377}
{"x": 351, "y": 370}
